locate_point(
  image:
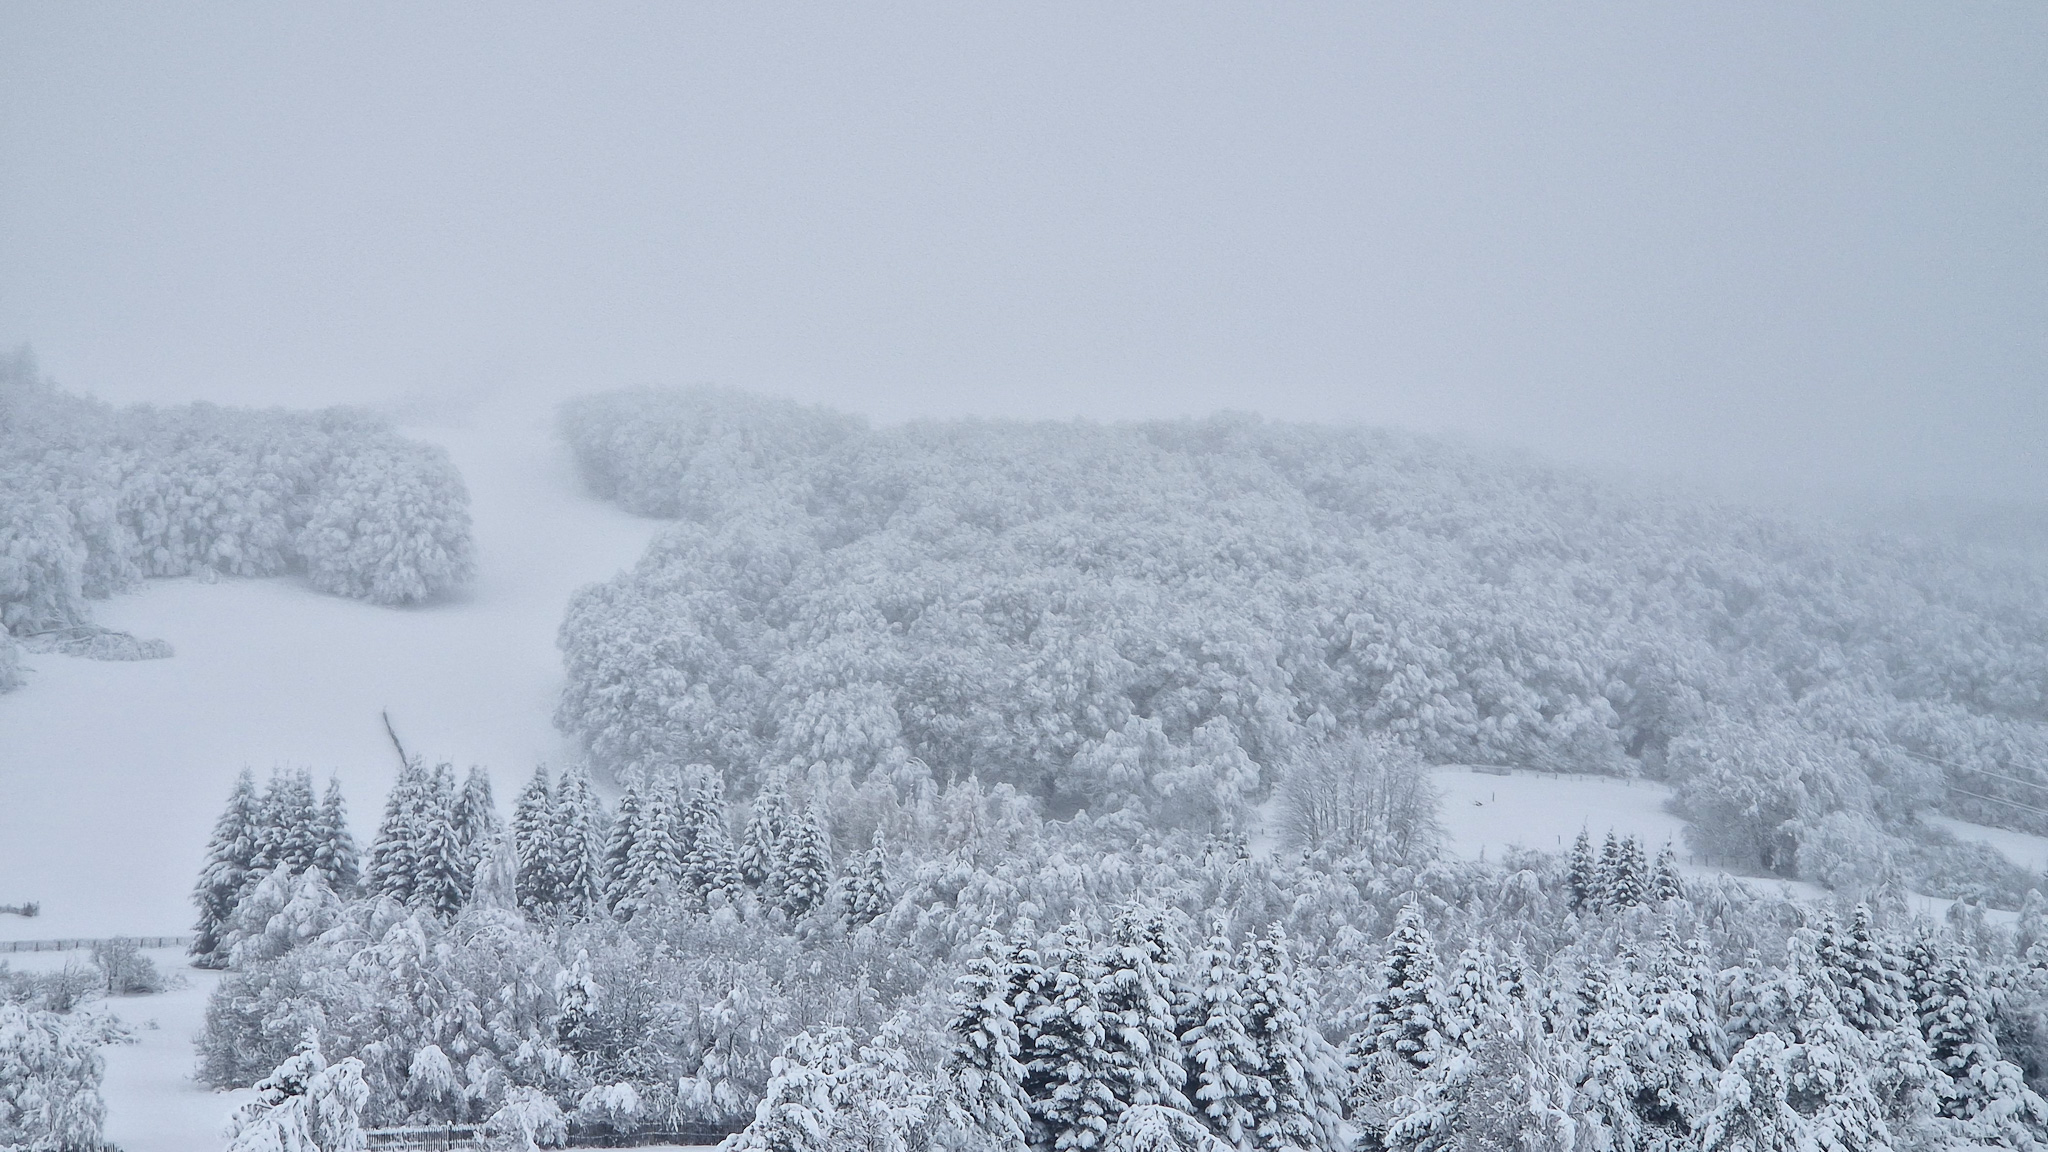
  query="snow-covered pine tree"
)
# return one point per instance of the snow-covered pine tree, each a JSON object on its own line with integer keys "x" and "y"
{"x": 394, "y": 861}
{"x": 1136, "y": 994}
{"x": 1665, "y": 883}
{"x": 578, "y": 832}
{"x": 1068, "y": 1079}
{"x": 476, "y": 816}
{"x": 533, "y": 839}
{"x": 291, "y": 819}
{"x": 1984, "y": 1090}
{"x": 1629, "y": 884}
{"x": 336, "y": 856}
{"x": 657, "y": 859}
{"x": 1582, "y": 875}
{"x": 866, "y": 894}
{"x": 759, "y": 846}
{"x": 618, "y": 847}
{"x": 1472, "y": 997}
{"x": 1221, "y": 1061}
{"x": 710, "y": 867}
{"x": 984, "y": 1062}
{"x": 230, "y": 853}
{"x": 803, "y": 868}
{"x": 1610, "y": 869}
{"x": 1289, "y": 1108}
{"x": 1750, "y": 1111}
{"x": 1402, "y": 1019}
{"x": 1867, "y": 973}
{"x": 444, "y": 870}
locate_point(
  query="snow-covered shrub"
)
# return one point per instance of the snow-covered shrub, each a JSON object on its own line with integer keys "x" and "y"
{"x": 50, "y": 1072}
{"x": 527, "y": 1121}
{"x": 124, "y": 970}
{"x": 304, "y": 1105}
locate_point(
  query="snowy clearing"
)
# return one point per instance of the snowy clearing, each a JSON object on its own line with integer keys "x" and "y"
{"x": 2023, "y": 849}
{"x": 1485, "y": 813}
{"x": 116, "y": 771}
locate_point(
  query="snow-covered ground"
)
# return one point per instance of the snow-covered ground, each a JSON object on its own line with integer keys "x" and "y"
{"x": 153, "y": 1104}
{"x": 1484, "y": 813}
{"x": 2027, "y": 851}
{"x": 111, "y": 774}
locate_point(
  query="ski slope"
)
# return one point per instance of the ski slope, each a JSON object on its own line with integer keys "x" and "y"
{"x": 113, "y": 773}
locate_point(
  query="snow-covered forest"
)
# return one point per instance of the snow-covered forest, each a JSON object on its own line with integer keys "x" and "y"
{"x": 981, "y": 978}
{"x": 94, "y": 499}
{"x": 1155, "y": 620}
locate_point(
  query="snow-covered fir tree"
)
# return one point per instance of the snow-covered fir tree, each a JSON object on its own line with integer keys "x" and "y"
{"x": 618, "y": 847}
{"x": 660, "y": 847}
{"x": 984, "y": 1061}
{"x": 578, "y": 830}
{"x": 710, "y": 874}
{"x": 1582, "y": 877}
{"x": 1137, "y": 997}
{"x": 760, "y": 844}
{"x": 533, "y": 837}
{"x": 443, "y": 865}
{"x": 305, "y": 1105}
{"x": 230, "y": 857}
{"x": 802, "y": 872}
{"x": 865, "y": 895}
{"x": 394, "y": 864}
{"x": 336, "y": 856}
{"x": 476, "y": 816}
{"x": 1295, "y": 1099}
{"x": 1403, "y": 1021}
{"x": 1222, "y": 1063}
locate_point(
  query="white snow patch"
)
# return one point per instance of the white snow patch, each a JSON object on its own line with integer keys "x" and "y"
{"x": 1485, "y": 813}
{"x": 2024, "y": 849}
{"x": 113, "y": 773}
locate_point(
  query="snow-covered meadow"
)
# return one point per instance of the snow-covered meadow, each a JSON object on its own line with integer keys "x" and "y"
{"x": 116, "y": 770}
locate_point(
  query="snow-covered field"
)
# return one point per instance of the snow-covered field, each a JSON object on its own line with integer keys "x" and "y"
{"x": 1484, "y": 813}
{"x": 113, "y": 773}
{"x": 2025, "y": 850}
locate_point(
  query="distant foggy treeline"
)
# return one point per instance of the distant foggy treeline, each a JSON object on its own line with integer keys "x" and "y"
{"x": 1157, "y": 617}
{"x": 95, "y": 498}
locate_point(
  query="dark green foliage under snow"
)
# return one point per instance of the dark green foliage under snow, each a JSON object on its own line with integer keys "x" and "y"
{"x": 93, "y": 499}
{"x": 1161, "y": 617}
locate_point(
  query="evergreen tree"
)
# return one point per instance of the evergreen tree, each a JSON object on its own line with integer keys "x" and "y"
{"x": 1068, "y": 1082}
{"x": 1402, "y": 1018}
{"x": 1136, "y": 994}
{"x": 1610, "y": 870}
{"x": 1866, "y": 972}
{"x": 577, "y": 854}
{"x": 230, "y": 857}
{"x": 1665, "y": 883}
{"x": 1472, "y": 997}
{"x": 1628, "y": 884}
{"x": 866, "y": 895}
{"x": 445, "y": 870}
{"x": 336, "y": 855}
{"x": 618, "y": 848}
{"x": 290, "y": 826}
{"x": 534, "y": 840}
{"x": 1222, "y": 1062}
{"x": 656, "y": 863}
{"x": 394, "y": 854}
{"x": 1750, "y": 1110}
{"x": 803, "y": 872}
{"x": 984, "y": 1062}
{"x": 1286, "y": 1105}
{"x": 760, "y": 845}
{"x": 1582, "y": 875}
{"x": 476, "y": 817}
{"x": 710, "y": 866}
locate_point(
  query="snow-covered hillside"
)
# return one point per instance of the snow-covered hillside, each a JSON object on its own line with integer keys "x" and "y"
{"x": 114, "y": 772}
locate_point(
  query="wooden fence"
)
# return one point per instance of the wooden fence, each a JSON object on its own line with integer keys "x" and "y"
{"x": 87, "y": 942}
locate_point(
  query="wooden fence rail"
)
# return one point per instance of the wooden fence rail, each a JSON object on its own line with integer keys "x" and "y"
{"x": 87, "y": 942}
{"x": 452, "y": 1137}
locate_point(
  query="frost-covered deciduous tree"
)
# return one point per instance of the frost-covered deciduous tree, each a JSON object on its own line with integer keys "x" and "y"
{"x": 305, "y": 1105}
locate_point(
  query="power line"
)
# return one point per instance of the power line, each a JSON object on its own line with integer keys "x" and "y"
{"x": 1996, "y": 800}
{"x": 1978, "y": 771}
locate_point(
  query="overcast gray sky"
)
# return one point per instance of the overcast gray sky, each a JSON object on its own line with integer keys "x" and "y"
{"x": 1781, "y": 243}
